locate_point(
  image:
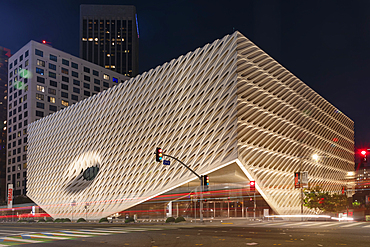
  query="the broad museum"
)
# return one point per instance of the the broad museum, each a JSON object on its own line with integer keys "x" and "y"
{"x": 226, "y": 110}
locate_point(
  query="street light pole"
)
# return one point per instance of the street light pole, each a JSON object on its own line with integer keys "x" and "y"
{"x": 201, "y": 185}
{"x": 86, "y": 206}
{"x": 255, "y": 205}
{"x": 72, "y": 205}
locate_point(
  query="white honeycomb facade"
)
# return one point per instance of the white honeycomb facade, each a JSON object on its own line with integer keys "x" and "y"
{"x": 225, "y": 103}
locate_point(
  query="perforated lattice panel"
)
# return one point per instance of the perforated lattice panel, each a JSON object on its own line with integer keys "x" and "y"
{"x": 228, "y": 101}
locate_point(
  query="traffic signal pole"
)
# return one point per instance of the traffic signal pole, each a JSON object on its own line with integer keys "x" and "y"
{"x": 201, "y": 184}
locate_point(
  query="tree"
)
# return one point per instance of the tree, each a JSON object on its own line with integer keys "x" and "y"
{"x": 321, "y": 201}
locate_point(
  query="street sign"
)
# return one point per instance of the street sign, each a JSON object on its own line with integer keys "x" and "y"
{"x": 301, "y": 180}
{"x": 297, "y": 180}
{"x": 304, "y": 179}
{"x": 10, "y": 195}
{"x": 166, "y": 162}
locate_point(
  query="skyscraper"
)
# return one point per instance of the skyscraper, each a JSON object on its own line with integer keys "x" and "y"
{"x": 109, "y": 37}
{"x": 43, "y": 80}
{"x": 4, "y": 56}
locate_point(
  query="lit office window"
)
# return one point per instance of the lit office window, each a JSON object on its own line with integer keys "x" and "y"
{"x": 40, "y": 71}
{"x": 40, "y": 63}
{"x": 51, "y": 99}
{"x": 39, "y": 96}
{"x": 65, "y": 71}
{"x": 40, "y": 88}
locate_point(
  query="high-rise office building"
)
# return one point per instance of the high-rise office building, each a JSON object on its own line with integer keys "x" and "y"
{"x": 109, "y": 37}
{"x": 4, "y": 56}
{"x": 43, "y": 80}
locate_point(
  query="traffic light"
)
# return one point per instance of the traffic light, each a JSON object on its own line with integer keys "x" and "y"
{"x": 252, "y": 186}
{"x": 363, "y": 154}
{"x": 159, "y": 155}
{"x": 205, "y": 182}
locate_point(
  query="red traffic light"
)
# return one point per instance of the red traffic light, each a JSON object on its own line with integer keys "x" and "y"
{"x": 44, "y": 41}
{"x": 363, "y": 152}
{"x": 252, "y": 186}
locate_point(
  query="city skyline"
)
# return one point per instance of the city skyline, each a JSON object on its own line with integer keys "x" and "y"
{"x": 325, "y": 44}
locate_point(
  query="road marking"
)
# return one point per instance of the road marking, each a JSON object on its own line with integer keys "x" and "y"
{"x": 26, "y": 237}
{"x": 353, "y": 224}
{"x": 18, "y": 233}
{"x": 85, "y": 232}
{"x": 331, "y": 224}
{"x": 21, "y": 240}
{"x": 8, "y": 231}
{"x": 128, "y": 229}
{"x": 274, "y": 223}
{"x": 295, "y": 224}
{"x": 93, "y": 230}
{"x": 367, "y": 226}
{"x": 64, "y": 234}
{"x": 43, "y": 236}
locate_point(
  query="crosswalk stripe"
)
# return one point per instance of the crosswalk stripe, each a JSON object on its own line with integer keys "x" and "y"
{"x": 295, "y": 224}
{"x": 5, "y": 231}
{"x": 16, "y": 233}
{"x": 108, "y": 231}
{"x": 21, "y": 240}
{"x": 128, "y": 229}
{"x": 64, "y": 234}
{"x": 44, "y": 236}
{"x": 317, "y": 224}
{"x": 274, "y": 224}
{"x": 86, "y": 232}
{"x": 330, "y": 224}
{"x": 352, "y": 224}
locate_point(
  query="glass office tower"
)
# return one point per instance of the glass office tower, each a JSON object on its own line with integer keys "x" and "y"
{"x": 109, "y": 37}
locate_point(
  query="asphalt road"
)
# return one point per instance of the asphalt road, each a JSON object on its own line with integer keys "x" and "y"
{"x": 237, "y": 233}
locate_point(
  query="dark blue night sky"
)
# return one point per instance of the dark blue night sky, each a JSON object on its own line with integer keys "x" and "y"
{"x": 324, "y": 43}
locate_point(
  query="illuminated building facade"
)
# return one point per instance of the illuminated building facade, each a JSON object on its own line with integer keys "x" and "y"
{"x": 227, "y": 110}
{"x": 109, "y": 36}
{"x": 4, "y": 56}
{"x": 43, "y": 80}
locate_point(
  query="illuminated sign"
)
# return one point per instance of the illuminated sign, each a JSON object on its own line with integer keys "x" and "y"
{"x": 10, "y": 195}
{"x": 297, "y": 180}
